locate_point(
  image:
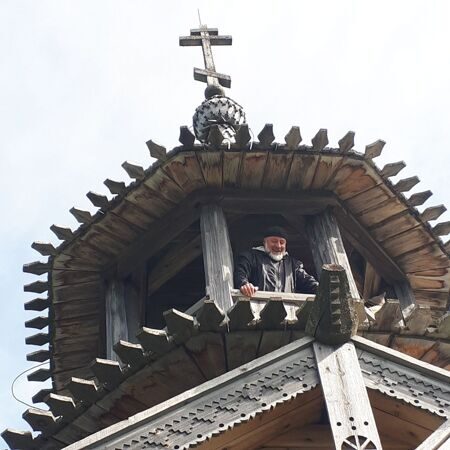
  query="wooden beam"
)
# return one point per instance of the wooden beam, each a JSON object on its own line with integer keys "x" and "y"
{"x": 172, "y": 262}
{"x": 371, "y": 282}
{"x": 346, "y": 396}
{"x": 157, "y": 236}
{"x": 327, "y": 246}
{"x": 217, "y": 256}
{"x": 439, "y": 440}
{"x": 405, "y": 294}
{"x": 364, "y": 243}
{"x": 116, "y": 318}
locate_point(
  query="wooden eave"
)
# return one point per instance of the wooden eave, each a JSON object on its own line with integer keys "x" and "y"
{"x": 190, "y": 351}
{"x": 367, "y": 204}
{"x": 287, "y": 376}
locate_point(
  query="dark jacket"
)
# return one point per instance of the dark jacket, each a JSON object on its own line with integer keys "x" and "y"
{"x": 287, "y": 275}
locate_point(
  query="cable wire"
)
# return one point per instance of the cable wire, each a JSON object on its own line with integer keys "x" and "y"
{"x": 14, "y": 382}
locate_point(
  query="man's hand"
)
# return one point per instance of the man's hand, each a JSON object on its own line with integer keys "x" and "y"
{"x": 248, "y": 289}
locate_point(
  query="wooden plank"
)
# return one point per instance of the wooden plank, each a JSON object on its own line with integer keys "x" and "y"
{"x": 232, "y": 161}
{"x": 429, "y": 257}
{"x": 408, "y": 413}
{"x": 394, "y": 225}
{"x": 362, "y": 241}
{"x": 133, "y": 214}
{"x": 149, "y": 201}
{"x": 438, "y": 440}
{"x": 217, "y": 255}
{"x": 173, "y": 262}
{"x": 208, "y": 351}
{"x": 381, "y": 338}
{"x": 96, "y": 238}
{"x": 134, "y": 301}
{"x": 368, "y": 199}
{"x": 433, "y": 299}
{"x": 116, "y": 323}
{"x": 347, "y": 401}
{"x": 384, "y": 210}
{"x": 371, "y": 282}
{"x": 389, "y": 317}
{"x": 252, "y": 169}
{"x": 185, "y": 170}
{"x": 68, "y": 277}
{"x": 417, "y": 320}
{"x": 431, "y": 283}
{"x": 414, "y": 347}
{"x": 119, "y": 228}
{"x": 78, "y": 308}
{"x": 313, "y": 436}
{"x": 277, "y": 169}
{"x": 352, "y": 178}
{"x": 271, "y": 340}
{"x": 407, "y": 241}
{"x": 211, "y": 162}
{"x": 401, "y": 430}
{"x": 157, "y": 236}
{"x": 162, "y": 185}
{"x": 170, "y": 375}
{"x": 241, "y": 347}
{"x": 438, "y": 355}
{"x": 327, "y": 166}
{"x": 75, "y": 326}
{"x": 327, "y": 246}
{"x": 246, "y": 202}
{"x": 80, "y": 291}
{"x": 302, "y": 171}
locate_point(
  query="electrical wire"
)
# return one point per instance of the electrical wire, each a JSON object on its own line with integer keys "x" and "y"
{"x": 14, "y": 382}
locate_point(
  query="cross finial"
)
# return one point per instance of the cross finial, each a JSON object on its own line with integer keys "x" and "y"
{"x": 206, "y": 37}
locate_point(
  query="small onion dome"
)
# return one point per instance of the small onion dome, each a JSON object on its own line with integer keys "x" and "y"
{"x": 218, "y": 110}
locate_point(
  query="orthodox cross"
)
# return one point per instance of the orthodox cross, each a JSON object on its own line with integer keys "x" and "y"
{"x": 206, "y": 37}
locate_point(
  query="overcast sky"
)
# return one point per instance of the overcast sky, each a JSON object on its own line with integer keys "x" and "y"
{"x": 84, "y": 84}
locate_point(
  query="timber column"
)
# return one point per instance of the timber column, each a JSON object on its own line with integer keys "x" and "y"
{"x": 327, "y": 246}
{"x": 217, "y": 255}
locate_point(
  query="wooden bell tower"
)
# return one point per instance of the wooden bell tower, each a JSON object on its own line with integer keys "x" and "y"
{"x": 150, "y": 345}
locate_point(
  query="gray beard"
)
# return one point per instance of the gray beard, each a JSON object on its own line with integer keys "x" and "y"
{"x": 274, "y": 256}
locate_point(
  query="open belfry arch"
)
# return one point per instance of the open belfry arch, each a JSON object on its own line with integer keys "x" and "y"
{"x": 151, "y": 346}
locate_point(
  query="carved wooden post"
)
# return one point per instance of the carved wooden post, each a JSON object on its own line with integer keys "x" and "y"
{"x": 351, "y": 417}
{"x": 116, "y": 318}
{"x": 217, "y": 255}
{"x": 327, "y": 246}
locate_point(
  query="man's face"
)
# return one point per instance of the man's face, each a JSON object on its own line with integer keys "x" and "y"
{"x": 275, "y": 245}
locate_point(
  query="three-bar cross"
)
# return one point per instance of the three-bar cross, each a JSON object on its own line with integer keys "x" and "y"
{"x": 206, "y": 37}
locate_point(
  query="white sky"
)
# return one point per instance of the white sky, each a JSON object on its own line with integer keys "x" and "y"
{"x": 84, "y": 84}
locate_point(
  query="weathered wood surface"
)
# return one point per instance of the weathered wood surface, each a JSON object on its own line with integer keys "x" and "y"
{"x": 374, "y": 150}
{"x": 438, "y": 440}
{"x": 397, "y": 239}
{"x": 217, "y": 255}
{"x": 327, "y": 246}
{"x": 116, "y": 323}
{"x": 345, "y": 394}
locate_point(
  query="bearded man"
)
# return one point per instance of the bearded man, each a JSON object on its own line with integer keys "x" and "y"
{"x": 271, "y": 268}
